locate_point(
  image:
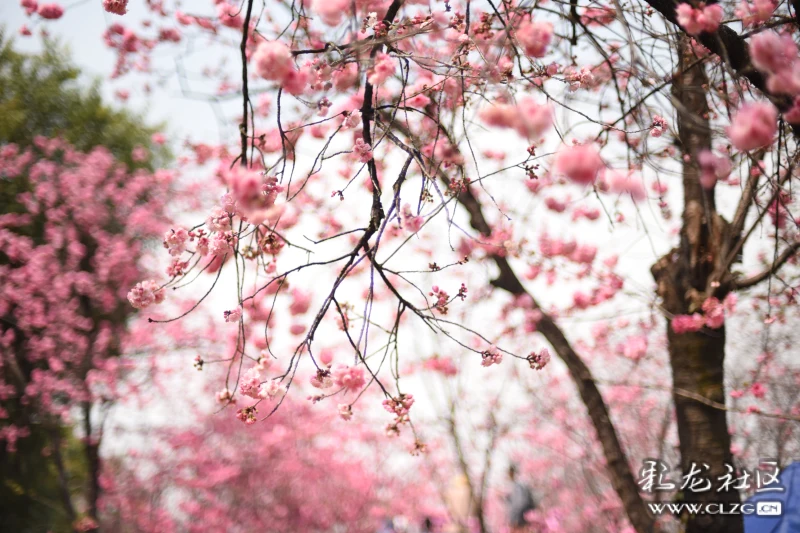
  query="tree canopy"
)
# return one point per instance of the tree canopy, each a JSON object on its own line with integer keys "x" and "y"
{"x": 70, "y": 181}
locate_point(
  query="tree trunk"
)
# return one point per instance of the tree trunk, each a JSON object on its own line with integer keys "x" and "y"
{"x": 697, "y": 366}
{"x": 697, "y": 358}
{"x": 92, "y": 449}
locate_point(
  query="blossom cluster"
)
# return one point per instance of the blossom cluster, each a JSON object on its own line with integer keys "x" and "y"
{"x": 69, "y": 254}
{"x": 776, "y": 55}
{"x": 713, "y": 315}
{"x": 755, "y": 12}
{"x": 535, "y": 37}
{"x": 491, "y": 356}
{"x": 696, "y": 20}
{"x": 529, "y": 119}
{"x": 349, "y": 378}
{"x": 145, "y": 294}
{"x": 538, "y": 361}
{"x": 754, "y": 126}
{"x": 273, "y": 61}
{"x": 117, "y": 7}
{"x": 712, "y": 168}
{"x": 580, "y": 163}
{"x": 50, "y": 11}
{"x": 442, "y": 299}
{"x": 400, "y": 407}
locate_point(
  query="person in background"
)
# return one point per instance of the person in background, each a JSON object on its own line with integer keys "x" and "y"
{"x": 387, "y": 526}
{"x": 459, "y": 505}
{"x": 519, "y": 501}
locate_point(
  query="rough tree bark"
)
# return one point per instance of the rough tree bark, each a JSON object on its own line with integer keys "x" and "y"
{"x": 682, "y": 276}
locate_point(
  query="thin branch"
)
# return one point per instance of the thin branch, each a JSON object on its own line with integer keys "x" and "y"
{"x": 787, "y": 254}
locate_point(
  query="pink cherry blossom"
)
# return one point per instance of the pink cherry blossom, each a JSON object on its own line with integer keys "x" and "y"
{"x": 687, "y": 18}
{"x": 219, "y": 219}
{"x": 352, "y": 120}
{"x": 117, "y": 7}
{"x": 758, "y": 390}
{"x": 330, "y": 11}
{"x": 320, "y": 238}
{"x": 754, "y": 126}
{"x": 555, "y": 205}
{"x": 579, "y": 163}
{"x": 250, "y": 382}
{"x": 326, "y": 357}
{"x": 296, "y": 81}
{"x": 687, "y": 323}
{"x": 247, "y": 415}
{"x": 345, "y": 411}
{"x": 234, "y": 315}
{"x": 711, "y": 17}
{"x": 635, "y": 347}
{"x": 297, "y": 329}
{"x": 712, "y": 168}
{"x": 659, "y": 126}
{"x": 500, "y": 115}
{"x": 272, "y": 390}
{"x": 50, "y": 11}
{"x": 385, "y": 65}
{"x": 363, "y": 150}
{"x": 399, "y": 406}
{"x": 301, "y": 301}
{"x": 626, "y": 183}
{"x": 175, "y": 241}
{"x": 714, "y": 313}
{"x": 584, "y": 254}
{"x": 350, "y": 378}
{"x": 30, "y": 6}
{"x": 538, "y": 361}
{"x": 598, "y": 16}
{"x": 411, "y": 222}
{"x": 172, "y": 35}
{"x": 777, "y": 56}
{"x": 528, "y": 118}
{"x": 695, "y": 21}
{"x": 224, "y": 396}
{"x": 252, "y": 193}
{"x": 322, "y": 380}
{"x": 273, "y": 60}
{"x": 230, "y": 15}
{"x": 491, "y": 356}
{"x": 535, "y": 37}
{"x": 756, "y": 12}
{"x": 221, "y": 244}
{"x": 771, "y": 52}
{"x": 145, "y": 294}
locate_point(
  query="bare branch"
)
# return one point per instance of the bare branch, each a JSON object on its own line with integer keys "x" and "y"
{"x": 787, "y": 254}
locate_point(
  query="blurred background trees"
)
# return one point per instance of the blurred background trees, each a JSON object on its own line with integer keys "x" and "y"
{"x": 79, "y": 202}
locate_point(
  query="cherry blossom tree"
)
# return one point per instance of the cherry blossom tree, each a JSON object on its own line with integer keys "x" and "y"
{"x": 75, "y": 224}
{"x": 290, "y": 479}
{"x": 407, "y": 169}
